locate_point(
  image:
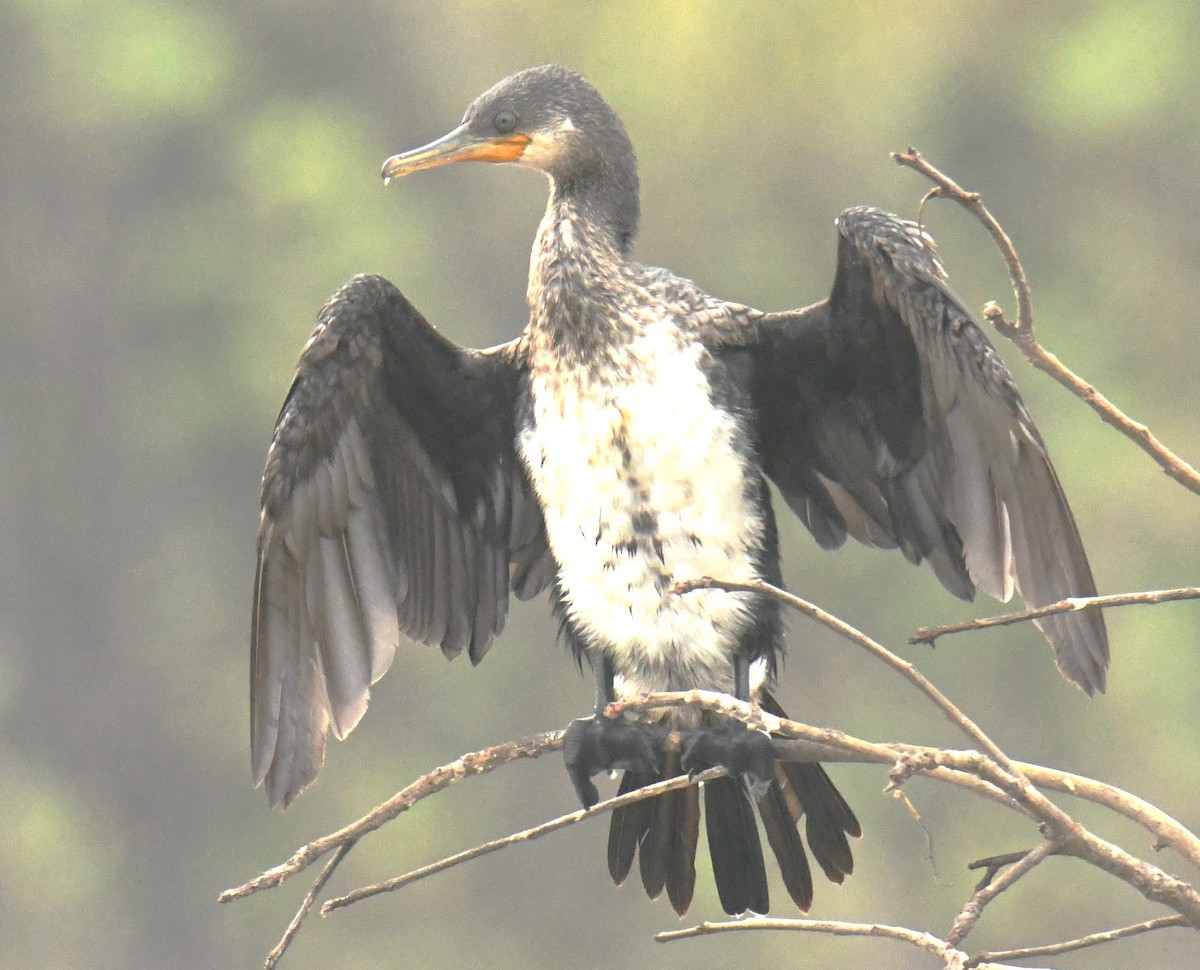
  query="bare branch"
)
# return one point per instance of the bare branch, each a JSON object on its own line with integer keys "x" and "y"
{"x": 1052, "y": 949}
{"x": 1167, "y": 831}
{"x": 951, "y": 958}
{"x": 993, "y": 864}
{"x": 1070, "y": 837}
{"x": 1022, "y": 332}
{"x": 801, "y": 742}
{"x": 527, "y": 835}
{"x": 930, "y": 634}
{"x": 965, "y": 921}
{"x": 469, "y": 765}
{"x": 947, "y": 187}
{"x": 302, "y": 913}
{"x": 901, "y": 666}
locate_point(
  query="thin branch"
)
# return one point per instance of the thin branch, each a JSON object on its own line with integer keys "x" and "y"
{"x": 1052, "y": 949}
{"x": 1166, "y": 830}
{"x": 952, "y": 958}
{"x": 309, "y": 898}
{"x": 796, "y": 741}
{"x": 973, "y": 201}
{"x": 527, "y": 835}
{"x": 930, "y": 634}
{"x": 469, "y": 765}
{"x": 1022, "y": 332}
{"x": 900, "y": 665}
{"x": 965, "y": 921}
{"x": 993, "y": 864}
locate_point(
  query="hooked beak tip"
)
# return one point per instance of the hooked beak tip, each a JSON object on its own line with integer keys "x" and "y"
{"x": 457, "y": 146}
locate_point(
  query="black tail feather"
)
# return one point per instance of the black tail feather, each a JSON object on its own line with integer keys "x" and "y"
{"x": 681, "y": 876}
{"x": 733, "y": 844}
{"x": 829, "y": 820}
{"x": 785, "y": 842}
{"x": 654, "y": 859}
{"x": 663, "y": 833}
{"x": 628, "y": 826}
{"x": 809, "y": 791}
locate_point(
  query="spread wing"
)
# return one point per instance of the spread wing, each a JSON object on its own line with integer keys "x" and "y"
{"x": 392, "y": 503}
{"x": 886, "y": 415}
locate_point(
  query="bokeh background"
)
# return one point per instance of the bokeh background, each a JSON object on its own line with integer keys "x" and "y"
{"x": 181, "y": 187}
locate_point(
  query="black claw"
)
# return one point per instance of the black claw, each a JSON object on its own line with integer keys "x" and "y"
{"x": 595, "y": 744}
{"x": 744, "y": 753}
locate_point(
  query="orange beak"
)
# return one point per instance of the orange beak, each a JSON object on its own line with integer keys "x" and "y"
{"x": 457, "y": 146}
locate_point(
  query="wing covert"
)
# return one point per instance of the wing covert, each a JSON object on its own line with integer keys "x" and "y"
{"x": 887, "y": 415}
{"x": 393, "y": 503}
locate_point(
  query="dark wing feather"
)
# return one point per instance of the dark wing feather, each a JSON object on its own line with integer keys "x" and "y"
{"x": 885, "y": 414}
{"x": 393, "y": 503}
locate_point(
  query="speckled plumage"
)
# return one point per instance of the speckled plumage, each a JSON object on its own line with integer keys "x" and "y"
{"x": 625, "y": 405}
{"x": 622, "y": 443}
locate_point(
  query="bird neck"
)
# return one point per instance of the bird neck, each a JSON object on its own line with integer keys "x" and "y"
{"x": 601, "y": 190}
{"x": 578, "y": 258}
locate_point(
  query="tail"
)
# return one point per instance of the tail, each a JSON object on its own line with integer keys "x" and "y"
{"x": 666, "y": 828}
{"x": 663, "y": 832}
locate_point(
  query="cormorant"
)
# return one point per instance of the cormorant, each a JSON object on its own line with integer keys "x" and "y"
{"x": 622, "y": 443}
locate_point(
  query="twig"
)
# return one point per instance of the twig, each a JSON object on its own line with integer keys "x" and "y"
{"x": 952, "y": 958}
{"x": 1022, "y": 332}
{"x": 965, "y": 921}
{"x": 1052, "y": 949}
{"x": 947, "y": 187}
{"x": 1071, "y": 837}
{"x": 930, "y": 634}
{"x": 527, "y": 835}
{"x": 469, "y": 765}
{"x": 993, "y": 864}
{"x": 309, "y": 898}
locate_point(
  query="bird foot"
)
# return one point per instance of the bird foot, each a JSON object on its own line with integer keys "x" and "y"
{"x": 598, "y": 743}
{"x": 744, "y": 753}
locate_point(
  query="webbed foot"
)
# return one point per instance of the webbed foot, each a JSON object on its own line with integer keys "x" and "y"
{"x": 598, "y": 743}
{"x": 744, "y": 753}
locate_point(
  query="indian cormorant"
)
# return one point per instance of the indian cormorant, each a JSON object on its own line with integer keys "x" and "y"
{"x": 621, "y": 443}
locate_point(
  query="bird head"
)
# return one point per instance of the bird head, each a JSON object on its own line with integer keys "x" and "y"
{"x": 546, "y": 118}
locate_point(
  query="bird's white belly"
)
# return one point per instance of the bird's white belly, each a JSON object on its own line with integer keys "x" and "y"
{"x": 641, "y": 487}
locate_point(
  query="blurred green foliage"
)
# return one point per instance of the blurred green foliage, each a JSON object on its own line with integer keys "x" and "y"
{"x": 181, "y": 186}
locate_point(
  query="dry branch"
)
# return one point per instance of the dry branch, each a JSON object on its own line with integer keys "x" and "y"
{"x": 930, "y": 634}
{"x": 469, "y": 765}
{"x": 952, "y": 959}
{"x": 797, "y": 741}
{"x": 310, "y": 897}
{"x": 1022, "y": 332}
{"x": 526, "y": 835}
{"x": 1070, "y": 837}
{"x": 900, "y": 665}
{"x": 1163, "y": 922}
{"x": 965, "y": 921}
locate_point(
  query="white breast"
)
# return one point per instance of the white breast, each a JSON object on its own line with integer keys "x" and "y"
{"x": 641, "y": 487}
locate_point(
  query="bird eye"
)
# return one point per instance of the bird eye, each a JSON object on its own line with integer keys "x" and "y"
{"x": 505, "y": 120}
